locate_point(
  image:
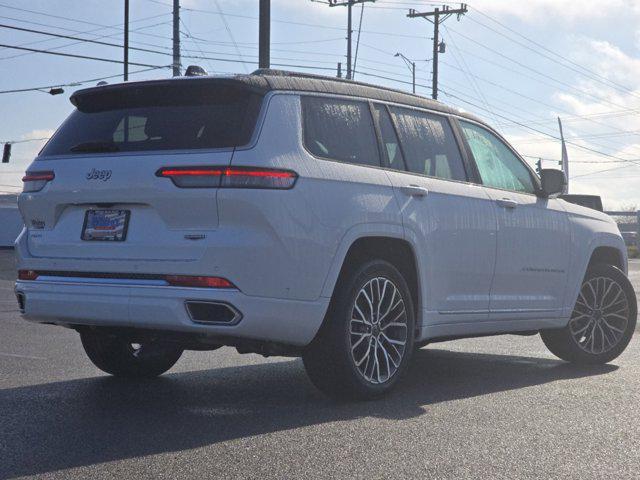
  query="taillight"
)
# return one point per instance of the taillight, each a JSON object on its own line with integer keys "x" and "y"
{"x": 27, "y": 275}
{"x": 35, "y": 181}
{"x": 229, "y": 177}
{"x": 202, "y": 282}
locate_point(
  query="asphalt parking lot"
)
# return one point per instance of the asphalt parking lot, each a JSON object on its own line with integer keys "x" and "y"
{"x": 499, "y": 407}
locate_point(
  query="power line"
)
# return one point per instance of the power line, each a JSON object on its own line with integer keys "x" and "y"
{"x": 82, "y": 32}
{"x": 71, "y": 37}
{"x": 585, "y": 71}
{"x": 289, "y": 22}
{"x": 226, "y": 26}
{"x": 70, "y": 19}
{"x": 73, "y": 55}
{"x": 197, "y": 45}
{"x": 13, "y": 142}
{"x": 531, "y": 70}
{"x": 467, "y": 71}
{"x": 603, "y": 154}
{"x": 535, "y": 100}
{"x": 74, "y": 84}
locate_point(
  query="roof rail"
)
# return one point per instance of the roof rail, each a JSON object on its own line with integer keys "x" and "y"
{"x": 315, "y": 76}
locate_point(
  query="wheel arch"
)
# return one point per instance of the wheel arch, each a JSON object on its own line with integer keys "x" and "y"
{"x": 604, "y": 248}
{"x": 388, "y": 246}
{"x": 608, "y": 255}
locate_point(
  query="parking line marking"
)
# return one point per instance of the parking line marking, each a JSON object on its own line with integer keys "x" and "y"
{"x": 15, "y": 355}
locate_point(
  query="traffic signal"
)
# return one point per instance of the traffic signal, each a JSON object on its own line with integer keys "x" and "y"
{"x": 6, "y": 153}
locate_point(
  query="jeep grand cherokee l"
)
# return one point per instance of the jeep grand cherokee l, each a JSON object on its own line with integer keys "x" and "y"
{"x": 297, "y": 215}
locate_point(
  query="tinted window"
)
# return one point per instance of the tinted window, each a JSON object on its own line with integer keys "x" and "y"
{"x": 499, "y": 167}
{"x": 157, "y": 117}
{"x": 429, "y": 145}
{"x": 390, "y": 141}
{"x": 340, "y": 130}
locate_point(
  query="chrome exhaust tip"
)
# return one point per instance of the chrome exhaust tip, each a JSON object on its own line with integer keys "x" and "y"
{"x": 212, "y": 313}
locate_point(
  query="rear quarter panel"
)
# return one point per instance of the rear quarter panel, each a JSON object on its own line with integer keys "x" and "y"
{"x": 291, "y": 243}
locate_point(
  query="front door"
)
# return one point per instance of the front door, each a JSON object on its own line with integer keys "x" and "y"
{"x": 533, "y": 233}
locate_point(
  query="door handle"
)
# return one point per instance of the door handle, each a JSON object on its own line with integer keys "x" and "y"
{"x": 507, "y": 203}
{"x": 414, "y": 191}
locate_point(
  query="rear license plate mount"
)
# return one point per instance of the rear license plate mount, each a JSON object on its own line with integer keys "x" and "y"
{"x": 108, "y": 225}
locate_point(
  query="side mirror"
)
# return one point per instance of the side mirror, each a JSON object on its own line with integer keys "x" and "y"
{"x": 553, "y": 181}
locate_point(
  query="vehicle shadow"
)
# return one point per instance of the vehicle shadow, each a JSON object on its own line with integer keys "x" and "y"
{"x": 88, "y": 421}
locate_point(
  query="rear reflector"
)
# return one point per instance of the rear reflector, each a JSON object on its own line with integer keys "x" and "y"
{"x": 199, "y": 282}
{"x": 172, "y": 280}
{"x": 27, "y": 274}
{"x": 229, "y": 177}
{"x": 35, "y": 181}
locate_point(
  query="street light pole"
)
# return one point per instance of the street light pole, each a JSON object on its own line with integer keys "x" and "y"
{"x": 412, "y": 67}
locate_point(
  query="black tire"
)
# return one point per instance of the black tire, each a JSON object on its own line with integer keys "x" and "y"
{"x": 329, "y": 361}
{"x": 595, "y": 335}
{"x": 117, "y": 355}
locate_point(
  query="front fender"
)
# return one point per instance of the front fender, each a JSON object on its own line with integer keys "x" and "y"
{"x": 577, "y": 274}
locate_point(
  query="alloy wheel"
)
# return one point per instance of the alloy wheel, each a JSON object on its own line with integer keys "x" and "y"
{"x": 378, "y": 330}
{"x": 601, "y": 315}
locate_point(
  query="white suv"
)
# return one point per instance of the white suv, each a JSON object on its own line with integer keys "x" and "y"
{"x": 296, "y": 215}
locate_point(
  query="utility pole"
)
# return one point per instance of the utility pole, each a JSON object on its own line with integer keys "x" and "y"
{"x": 349, "y": 4}
{"x": 339, "y": 70}
{"x": 126, "y": 40}
{"x": 439, "y": 16}
{"x": 264, "y": 55}
{"x": 176, "y": 38}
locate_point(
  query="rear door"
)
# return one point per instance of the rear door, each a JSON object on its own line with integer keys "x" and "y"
{"x": 106, "y": 199}
{"x": 451, "y": 221}
{"x": 534, "y": 234}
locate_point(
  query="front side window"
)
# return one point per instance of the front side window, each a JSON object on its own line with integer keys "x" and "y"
{"x": 498, "y": 166}
{"x": 340, "y": 130}
{"x": 429, "y": 145}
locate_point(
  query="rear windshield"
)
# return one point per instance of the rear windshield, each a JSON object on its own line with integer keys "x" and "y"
{"x": 158, "y": 117}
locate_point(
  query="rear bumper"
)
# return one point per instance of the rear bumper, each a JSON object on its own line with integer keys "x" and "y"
{"x": 163, "y": 308}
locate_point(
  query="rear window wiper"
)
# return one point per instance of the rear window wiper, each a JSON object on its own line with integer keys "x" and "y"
{"x": 95, "y": 147}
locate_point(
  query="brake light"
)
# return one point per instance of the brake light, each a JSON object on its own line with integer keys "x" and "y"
{"x": 27, "y": 275}
{"x": 35, "y": 181}
{"x": 200, "y": 282}
{"x": 229, "y": 177}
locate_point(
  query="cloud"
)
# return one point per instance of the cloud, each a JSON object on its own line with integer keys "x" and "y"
{"x": 605, "y": 118}
{"x": 564, "y": 10}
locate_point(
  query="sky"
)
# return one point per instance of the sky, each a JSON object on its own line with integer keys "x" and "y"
{"x": 517, "y": 64}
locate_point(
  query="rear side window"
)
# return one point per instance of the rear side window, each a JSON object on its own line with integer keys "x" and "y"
{"x": 429, "y": 145}
{"x": 173, "y": 116}
{"x": 340, "y": 130}
{"x": 390, "y": 142}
